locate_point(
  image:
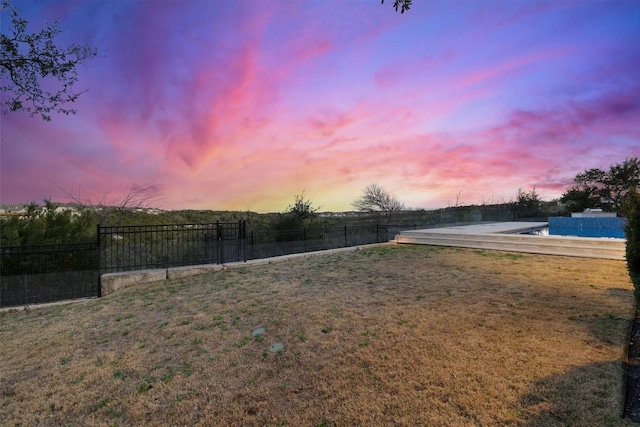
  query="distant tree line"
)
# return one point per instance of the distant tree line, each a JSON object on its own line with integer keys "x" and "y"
{"x": 593, "y": 188}
{"x": 53, "y": 223}
{"x": 47, "y": 225}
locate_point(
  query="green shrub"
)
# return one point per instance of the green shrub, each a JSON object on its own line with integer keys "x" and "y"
{"x": 632, "y": 230}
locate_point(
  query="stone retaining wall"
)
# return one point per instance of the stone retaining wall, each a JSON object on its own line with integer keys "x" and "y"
{"x": 112, "y": 282}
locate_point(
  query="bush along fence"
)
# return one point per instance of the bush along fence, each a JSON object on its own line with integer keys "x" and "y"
{"x": 48, "y": 273}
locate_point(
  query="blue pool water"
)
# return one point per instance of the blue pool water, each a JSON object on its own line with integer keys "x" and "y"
{"x": 587, "y": 227}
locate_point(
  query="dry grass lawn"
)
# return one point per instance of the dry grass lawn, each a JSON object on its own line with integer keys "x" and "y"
{"x": 392, "y": 335}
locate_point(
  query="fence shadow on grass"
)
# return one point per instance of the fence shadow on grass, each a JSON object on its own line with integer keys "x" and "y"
{"x": 591, "y": 395}
{"x": 623, "y": 294}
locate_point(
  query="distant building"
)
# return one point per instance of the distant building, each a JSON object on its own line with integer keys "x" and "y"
{"x": 594, "y": 213}
{"x": 12, "y": 210}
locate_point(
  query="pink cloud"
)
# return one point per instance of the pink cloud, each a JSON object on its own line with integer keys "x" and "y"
{"x": 409, "y": 70}
{"x": 507, "y": 68}
{"x": 327, "y": 123}
{"x": 229, "y": 106}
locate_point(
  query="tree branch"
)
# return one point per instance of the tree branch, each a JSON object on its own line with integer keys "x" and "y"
{"x": 26, "y": 59}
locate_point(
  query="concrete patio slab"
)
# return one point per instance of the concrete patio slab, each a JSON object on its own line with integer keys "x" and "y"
{"x": 505, "y": 236}
{"x": 488, "y": 228}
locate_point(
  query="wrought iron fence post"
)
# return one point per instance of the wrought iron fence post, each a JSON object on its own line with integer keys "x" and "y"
{"x": 99, "y": 266}
{"x": 209, "y": 242}
{"x": 219, "y": 249}
{"x": 252, "y": 243}
{"x": 345, "y": 236}
{"x": 242, "y": 239}
{"x": 25, "y": 292}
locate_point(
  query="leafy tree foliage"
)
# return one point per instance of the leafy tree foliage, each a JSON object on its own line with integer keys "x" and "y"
{"x": 300, "y": 214}
{"x": 302, "y": 209}
{"x": 632, "y": 229}
{"x": 606, "y": 190}
{"x": 29, "y": 62}
{"x": 404, "y": 5}
{"x": 376, "y": 199}
{"x": 526, "y": 205}
{"x": 577, "y": 200}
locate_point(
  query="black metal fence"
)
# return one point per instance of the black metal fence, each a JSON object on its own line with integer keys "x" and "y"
{"x": 271, "y": 243}
{"x": 126, "y": 248}
{"x": 47, "y": 273}
{"x": 139, "y": 247}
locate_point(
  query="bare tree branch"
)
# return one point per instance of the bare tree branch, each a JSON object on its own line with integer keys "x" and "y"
{"x": 134, "y": 196}
{"x": 376, "y": 199}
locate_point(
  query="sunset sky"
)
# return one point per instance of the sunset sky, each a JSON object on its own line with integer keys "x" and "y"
{"x": 240, "y": 105}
